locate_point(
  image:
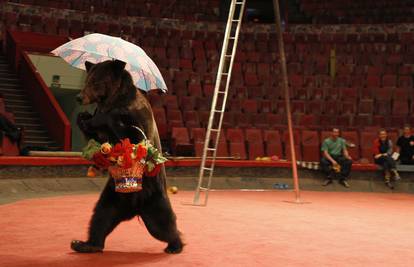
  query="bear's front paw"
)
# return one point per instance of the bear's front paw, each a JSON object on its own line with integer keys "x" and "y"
{"x": 83, "y": 116}
{"x": 174, "y": 247}
{"x": 84, "y": 247}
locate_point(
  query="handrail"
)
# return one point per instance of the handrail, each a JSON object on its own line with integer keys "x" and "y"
{"x": 45, "y": 103}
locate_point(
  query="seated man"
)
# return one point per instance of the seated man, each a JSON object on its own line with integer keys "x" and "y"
{"x": 382, "y": 150}
{"x": 335, "y": 159}
{"x": 405, "y": 146}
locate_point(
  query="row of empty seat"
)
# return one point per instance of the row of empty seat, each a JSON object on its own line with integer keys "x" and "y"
{"x": 330, "y": 12}
{"x": 196, "y": 11}
{"x": 253, "y": 143}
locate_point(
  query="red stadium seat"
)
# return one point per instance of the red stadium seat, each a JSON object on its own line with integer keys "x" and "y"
{"x": 310, "y": 145}
{"x": 389, "y": 81}
{"x": 308, "y": 120}
{"x": 362, "y": 120}
{"x": 174, "y": 118}
{"x": 373, "y": 81}
{"x": 243, "y": 120}
{"x": 405, "y": 81}
{"x": 352, "y": 137}
{"x": 348, "y": 93}
{"x": 236, "y": 141}
{"x": 348, "y": 107}
{"x": 254, "y": 140}
{"x": 222, "y": 148}
{"x": 273, "y": 143}
{"x": 275, "y": 120}
{"x": 251, "y": 79}
{"x": 366, "y": 141}
{"x": 331, "y": 107}
{"x": 191, "y": 119}
{"x": 198, "y": 136}
{"x": 229, "y": 120}
{"x": 314, "y": 107}
{"x": 249, "y": 106}
{"x": 400, "y": 107}
{"x": 402, "y": 93}
{"x": 161, "y": 120}
{"x": 180, "y": 142}
{"x": 366, "y": 106}
{"x": 383, "y": 107}
{"x": 187, "y": 103}
{"x": 259, "y": 121}
{"x": 298, "y": 151}
{"x": 170, "y": 102}
{"x": 383, "y": 94}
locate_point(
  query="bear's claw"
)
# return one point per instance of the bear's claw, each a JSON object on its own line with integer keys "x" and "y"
{"x": 175, "y": 247}
{"x": 84, "y": 247}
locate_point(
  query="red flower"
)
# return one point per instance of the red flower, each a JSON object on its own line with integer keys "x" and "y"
{"x": 117, "y": 150}
{"x": 141, "y": 152}
{"x": 154, "y": 172}
{"x": 100, "y": 160}
{"x": 127, "y": 150}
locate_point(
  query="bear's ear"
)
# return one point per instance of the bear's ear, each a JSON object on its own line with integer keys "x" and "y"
{"x": 88, "y": 65}
{"x": 119, "y": 66}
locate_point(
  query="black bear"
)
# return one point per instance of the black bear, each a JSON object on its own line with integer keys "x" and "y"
{"x": 120, "y": 108}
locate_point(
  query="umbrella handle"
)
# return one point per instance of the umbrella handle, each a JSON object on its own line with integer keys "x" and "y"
{"x": 139, "y": 129}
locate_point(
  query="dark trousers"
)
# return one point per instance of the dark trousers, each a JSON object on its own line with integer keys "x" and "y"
{"x": 386, "y": 162}
{"x": 346, "y": 165}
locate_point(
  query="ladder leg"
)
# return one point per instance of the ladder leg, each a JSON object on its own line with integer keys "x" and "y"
{"x": 224, "y": 70}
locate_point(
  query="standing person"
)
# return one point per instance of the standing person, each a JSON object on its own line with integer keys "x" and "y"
{"x": 382, "y": 150}
{"x": 335, "y": 159}
{"x": 405, "y": 146}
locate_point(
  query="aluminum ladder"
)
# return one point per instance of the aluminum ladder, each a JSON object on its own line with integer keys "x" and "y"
{"x": 218, "y": 105}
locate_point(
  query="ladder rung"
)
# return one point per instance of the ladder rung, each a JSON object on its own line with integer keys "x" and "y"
{"x": 211, "y": 149}
{"x": 227, "y": 55}
{"x": 235, "y": 20}
{"x": 232, "y": 38}
{"x": 221, "y": 92}
{"x": 208, "y": 169}
{"x": 203, "y": 188}
{"x": 225, "y": 73}
{"x": 218, "y": 111}
{"x": 214, "y": 130}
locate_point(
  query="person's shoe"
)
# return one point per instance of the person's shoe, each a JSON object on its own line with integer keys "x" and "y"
{"x": 344, "y": 183}
{"x": 389, "y": 185}
{"x": 327, "y": 182}
{"x": 396, "y": 174}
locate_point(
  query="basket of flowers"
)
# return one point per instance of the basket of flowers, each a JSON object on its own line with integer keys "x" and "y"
{"x": 126, "y": 162}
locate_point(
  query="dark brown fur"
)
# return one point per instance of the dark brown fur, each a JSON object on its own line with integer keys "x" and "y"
{"x": 119, "y": 106}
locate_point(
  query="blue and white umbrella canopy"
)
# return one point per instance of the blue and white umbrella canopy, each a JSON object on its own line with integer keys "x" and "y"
{"x": 98, "y": 48}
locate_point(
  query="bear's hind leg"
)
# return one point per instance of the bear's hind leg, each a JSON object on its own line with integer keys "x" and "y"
{"x": 160, "y": 221}
{"x": 103, "y": 221}
{"x": 108, "y": 213}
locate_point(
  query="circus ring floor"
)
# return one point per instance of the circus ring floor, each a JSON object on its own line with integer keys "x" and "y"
{"x": 237, "y": 228}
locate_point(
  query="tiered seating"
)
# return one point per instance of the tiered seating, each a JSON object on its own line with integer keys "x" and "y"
{"x": 362, "y": 93}
{"x": 369, "y": 84}
{"x": 367, "y": 11}
{"x": 196, "y": 11}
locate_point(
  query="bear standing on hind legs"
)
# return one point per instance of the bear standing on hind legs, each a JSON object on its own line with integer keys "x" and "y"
{"x": 121, "y": 108}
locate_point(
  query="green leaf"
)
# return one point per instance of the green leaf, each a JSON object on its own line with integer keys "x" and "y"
{"x": 90, "y": 149}
{"x": 150, "y": 166}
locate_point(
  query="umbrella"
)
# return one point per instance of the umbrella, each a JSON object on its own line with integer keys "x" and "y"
{"x": 97, "y": 48}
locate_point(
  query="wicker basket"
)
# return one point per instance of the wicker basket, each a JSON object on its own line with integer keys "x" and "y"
{"x": 127, "y": 180}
